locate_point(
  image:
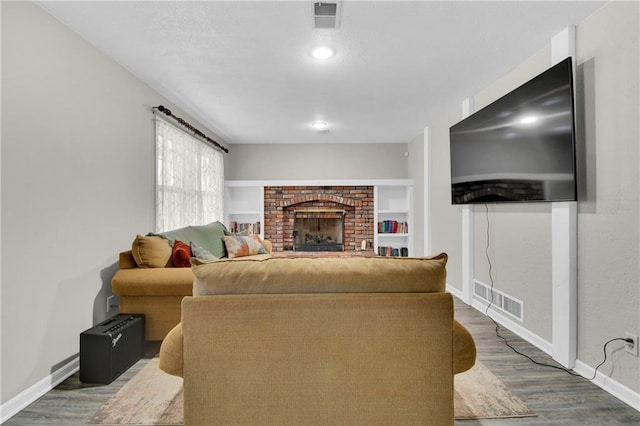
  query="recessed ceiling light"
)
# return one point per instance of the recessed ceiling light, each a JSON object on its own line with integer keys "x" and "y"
{"x": 529, "y": 119}
{"x": 322, "y": 53}
{"x": 320, "y": 125}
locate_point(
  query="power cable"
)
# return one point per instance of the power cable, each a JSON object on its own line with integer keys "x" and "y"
{"x": 506, "y": 342}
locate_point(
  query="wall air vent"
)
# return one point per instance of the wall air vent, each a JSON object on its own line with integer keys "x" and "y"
{"x": 326, "y": 15}
{"x": 500, "y": 300}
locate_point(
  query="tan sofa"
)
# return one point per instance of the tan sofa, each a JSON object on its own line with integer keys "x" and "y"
{"x": 318, "y": 341}
{"x": 148, "y": 282}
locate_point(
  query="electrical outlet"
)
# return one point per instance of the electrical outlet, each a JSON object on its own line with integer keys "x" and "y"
{"x": 112, "y": 303}
{"x": 632, "y": 348}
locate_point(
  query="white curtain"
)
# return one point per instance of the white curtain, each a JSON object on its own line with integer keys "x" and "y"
{"x": 189, "y": 179}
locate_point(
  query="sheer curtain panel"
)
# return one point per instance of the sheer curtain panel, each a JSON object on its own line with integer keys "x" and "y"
{"x": 189, "y": 179}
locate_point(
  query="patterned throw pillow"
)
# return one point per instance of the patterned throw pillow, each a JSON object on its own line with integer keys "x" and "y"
{"x": 238, "y": 246}
{"x": 181, "y": 254}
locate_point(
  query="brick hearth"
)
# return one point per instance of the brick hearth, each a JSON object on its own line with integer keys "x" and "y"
{"x": 280, "y": 201}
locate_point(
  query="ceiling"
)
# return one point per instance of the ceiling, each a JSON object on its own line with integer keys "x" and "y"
{"x": 244, "y": 69}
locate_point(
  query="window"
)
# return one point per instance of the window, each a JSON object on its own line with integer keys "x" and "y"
{"x": 189, "y": 179}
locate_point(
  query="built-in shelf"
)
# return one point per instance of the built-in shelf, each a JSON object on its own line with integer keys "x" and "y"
{"x": 393, "y": 219}
{"x": 244, "y": 207}
{"x": 244, "y": 203}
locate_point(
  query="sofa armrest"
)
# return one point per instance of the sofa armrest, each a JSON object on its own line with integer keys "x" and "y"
{"x": 171, "y": 352}
{"x": 172, "y": 362}
{"x": 464, "y": 349}
{"x": 126, "y": 260}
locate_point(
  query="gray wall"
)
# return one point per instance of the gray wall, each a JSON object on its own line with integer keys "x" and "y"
{"x": 608, "y": 209}
{"x": 608, "y": 53}
{"x": 313, "y": 161}
{"x": 416, "y": 172}
{"x": 446, "y": 219}
{"x": 77, "y": 186}
{"x": 520, "y": 235}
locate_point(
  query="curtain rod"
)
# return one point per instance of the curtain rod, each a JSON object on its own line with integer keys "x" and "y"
{"x": 167, "y": 111}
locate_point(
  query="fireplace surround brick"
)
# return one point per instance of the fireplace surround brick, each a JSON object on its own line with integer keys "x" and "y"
{"x": 281, "y": 201}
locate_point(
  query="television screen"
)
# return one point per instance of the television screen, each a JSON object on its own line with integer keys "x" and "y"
{"x": 520, "y": 148}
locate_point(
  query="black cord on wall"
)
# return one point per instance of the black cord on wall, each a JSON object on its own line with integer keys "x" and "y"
{"x": 506, "y": 342}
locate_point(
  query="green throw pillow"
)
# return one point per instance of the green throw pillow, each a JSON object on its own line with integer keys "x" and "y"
{"x": 200, "y": 253}
{"x": 209, "y": 237}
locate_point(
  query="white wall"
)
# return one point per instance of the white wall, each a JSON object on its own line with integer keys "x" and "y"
{"x": 314, "y": 161}
{"x": 608, "y": 55}
{"x": 77, "y": 185}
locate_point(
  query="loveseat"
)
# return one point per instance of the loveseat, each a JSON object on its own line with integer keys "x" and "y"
{"x": 318, "y": 341}
{"x": 154, "y": 276}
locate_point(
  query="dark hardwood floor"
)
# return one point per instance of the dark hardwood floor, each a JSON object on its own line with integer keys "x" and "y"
{"x": 556, "y": 397}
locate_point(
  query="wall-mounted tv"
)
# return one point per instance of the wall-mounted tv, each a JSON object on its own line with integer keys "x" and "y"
{"x": 520, "y": 148}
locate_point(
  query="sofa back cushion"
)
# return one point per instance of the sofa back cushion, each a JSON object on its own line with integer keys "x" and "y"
{"x": 320, "y": 275}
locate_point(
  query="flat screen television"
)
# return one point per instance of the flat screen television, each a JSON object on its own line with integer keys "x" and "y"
{"x": 520, "y": 148}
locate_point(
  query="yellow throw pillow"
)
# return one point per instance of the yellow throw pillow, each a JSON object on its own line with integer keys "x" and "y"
{"x": 151, "y": 252}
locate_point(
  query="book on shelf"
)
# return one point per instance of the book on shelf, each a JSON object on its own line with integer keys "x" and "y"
{"x": 250, "y": 228}
{"x": 392, "y": 227}
{"x": 393, "y": 251}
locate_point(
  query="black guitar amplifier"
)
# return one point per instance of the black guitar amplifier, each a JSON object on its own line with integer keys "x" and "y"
{"x": 110, "y": 348}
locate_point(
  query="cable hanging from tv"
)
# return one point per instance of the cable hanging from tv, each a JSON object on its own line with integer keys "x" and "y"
{"x": 167, "y": 112}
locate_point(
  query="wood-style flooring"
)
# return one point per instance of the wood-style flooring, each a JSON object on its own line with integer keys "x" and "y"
{"x": 556, "y": 397}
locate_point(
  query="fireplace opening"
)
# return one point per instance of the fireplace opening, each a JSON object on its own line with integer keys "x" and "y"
{"x": 316, "y": 232}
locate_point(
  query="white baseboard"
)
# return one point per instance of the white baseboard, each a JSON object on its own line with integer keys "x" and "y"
{"x": 457, "y": 293}
{"x": 620, "y": 391}
{"x": 506, "y": 322}
{"x": 26, "y": 397}
{"x": 516, "y": 328}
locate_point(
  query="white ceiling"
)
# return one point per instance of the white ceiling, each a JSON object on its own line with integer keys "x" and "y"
{"x": 244, "y": 70}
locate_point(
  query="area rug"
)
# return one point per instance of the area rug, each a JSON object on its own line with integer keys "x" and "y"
{"x": 152, "y": 397}
{"x": 479, "y": 394}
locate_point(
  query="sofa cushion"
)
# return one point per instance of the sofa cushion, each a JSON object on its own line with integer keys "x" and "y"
{"x": 153, "y": 282}
{"x": 320, "y": 275}
{"x": 151, "y": 252}
{"x": 209, "y": 237}
{"x": 240, "y": 246}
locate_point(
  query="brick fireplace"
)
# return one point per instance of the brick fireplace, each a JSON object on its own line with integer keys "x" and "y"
{"x": 347, "y": 208}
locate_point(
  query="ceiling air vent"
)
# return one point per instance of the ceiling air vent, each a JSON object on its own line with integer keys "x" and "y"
{"x": 325, "y": 14}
